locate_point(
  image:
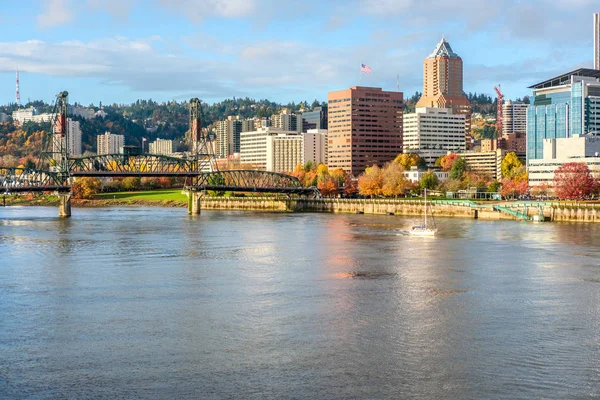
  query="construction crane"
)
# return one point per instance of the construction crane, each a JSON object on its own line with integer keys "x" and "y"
{"x": 499, "y": 111}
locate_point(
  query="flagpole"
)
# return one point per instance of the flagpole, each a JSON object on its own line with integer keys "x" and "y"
{"x": 360, "y": 77}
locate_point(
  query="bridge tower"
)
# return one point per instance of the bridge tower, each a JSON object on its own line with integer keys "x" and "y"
{"x": 202, "y": 152}
{"x": 55, "y": 155}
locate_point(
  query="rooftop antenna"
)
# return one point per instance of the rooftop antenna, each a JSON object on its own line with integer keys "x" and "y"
{"x": 397, "y": 82}
{"x": 18, "y": 94}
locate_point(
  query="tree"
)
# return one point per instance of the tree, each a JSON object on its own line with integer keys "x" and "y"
{"x": 513, "y": 187}
{"x": 371, "y": 181}
{"x": 511, "y": 166}
{"x": 131, "y": 183}
{"x": 459, "y": 166}
{"x": 408, "y": 160}
{"x": 350, "y": 185}
{"x": 573, "y": 181}
{"x": 327, "y": 186}
{"x": 394, "y": 181}
{"x": 494, "y": 186}
{"x": 447, "y": 161}
{"x": 540, "y": 190}
{"x": 86, "y": 188}
{"x": 429, "y": 180}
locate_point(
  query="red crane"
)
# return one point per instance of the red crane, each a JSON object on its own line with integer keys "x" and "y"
{"x": 499, "y": 111}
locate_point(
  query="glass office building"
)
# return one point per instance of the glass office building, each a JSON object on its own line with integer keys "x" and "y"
{"x": 562, "y": 107}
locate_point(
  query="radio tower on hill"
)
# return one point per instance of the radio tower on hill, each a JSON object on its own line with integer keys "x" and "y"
{"x": 18, "y": 95}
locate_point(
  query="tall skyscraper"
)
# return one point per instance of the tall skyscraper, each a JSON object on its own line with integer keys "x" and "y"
{"x": 597, "y": 41}
{"x": 364, "y": 128}
{"x": 443, "y": 82}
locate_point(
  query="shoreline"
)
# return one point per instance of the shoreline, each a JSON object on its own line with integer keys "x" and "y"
{"x": 518, "y": 211}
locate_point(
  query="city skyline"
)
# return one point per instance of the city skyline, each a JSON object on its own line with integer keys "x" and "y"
{"x": 119, "y": 51}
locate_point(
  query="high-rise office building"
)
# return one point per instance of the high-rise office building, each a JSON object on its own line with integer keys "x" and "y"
{"x": 228, "y": 136}
{"x": 432, "y": 132}
{"x": 563, "y": 107}
{"x": 272, "y": 149}
{"x": 315, "y": 119}
{"x": 109, "y": 143}
{"x": 443, "y": 82}
{"x": 597, "y": 41}
{"x": 364, "y": 128}
{"x": 72, "y": 139}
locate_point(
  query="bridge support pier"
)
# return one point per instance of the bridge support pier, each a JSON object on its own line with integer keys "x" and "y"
{"x": 194, "y": 202}
{"x": 64, "y": 205}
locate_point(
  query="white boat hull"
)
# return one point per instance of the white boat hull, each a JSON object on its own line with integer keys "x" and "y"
{"x": 422, "y": 232}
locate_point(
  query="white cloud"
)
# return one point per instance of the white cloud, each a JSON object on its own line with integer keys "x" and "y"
{"x": 197, "y": 10}
{"x": 117, "y": 8}
{"x": 56, "y": 12}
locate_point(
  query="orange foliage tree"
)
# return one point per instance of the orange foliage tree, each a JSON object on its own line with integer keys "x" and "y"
{"x": 448, "y": 161}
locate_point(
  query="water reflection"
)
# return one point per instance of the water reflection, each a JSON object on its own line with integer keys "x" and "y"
{"x": 152, "y": 302}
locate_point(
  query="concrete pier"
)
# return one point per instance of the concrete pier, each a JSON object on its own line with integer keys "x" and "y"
{"x": 194, "y": 206}
{"x": 64, "y": 206}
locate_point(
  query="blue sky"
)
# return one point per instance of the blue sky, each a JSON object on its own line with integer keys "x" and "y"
{"x": 117, "y": 51}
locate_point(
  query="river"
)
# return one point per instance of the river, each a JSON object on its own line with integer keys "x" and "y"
{"x": 153, "y": 303}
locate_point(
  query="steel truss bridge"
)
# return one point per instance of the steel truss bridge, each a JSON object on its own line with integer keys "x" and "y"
{"x": 57, "y": 170}
{"x": 14, "y": 180}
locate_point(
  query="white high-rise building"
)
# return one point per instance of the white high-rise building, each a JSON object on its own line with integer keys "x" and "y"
{"x": 514, "y": 117}
{"x": 597, "y": 41}
{"x": 315, "y": 146}
{"x": 161, "y": 147}
{"x": 73, "y": 139}
{"x": 110, "y": 143}
{"x": 271, "y": 149}
{"x": 432, "y": 132}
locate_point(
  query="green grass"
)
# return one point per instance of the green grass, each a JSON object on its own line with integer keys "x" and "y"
{"x": 147, "y": 195}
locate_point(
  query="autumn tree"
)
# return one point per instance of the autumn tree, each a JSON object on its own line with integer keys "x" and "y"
{"x": 327, "y": 186}
{"x": 494, "y": 186}
{"x": 370, "y": 182}
{"x": 86, "y": 188}
{"x": 408, "y": 160}
{"x": 429, "y": 180}
{"x": 447, "y": 161}
{"x": 394, "y": 181}
{"x": 513, "y": 187}
{"x": 573, "y": 181}
{"x": 131, "y": 183}
{"x": 459, "y": 166}
{"x": 350, "y": 185}
{"x": 511, "y": 166}
{"x": 541, "y": 190}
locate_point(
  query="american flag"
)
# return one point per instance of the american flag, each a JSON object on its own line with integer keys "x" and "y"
{"x": 365, "y": 68}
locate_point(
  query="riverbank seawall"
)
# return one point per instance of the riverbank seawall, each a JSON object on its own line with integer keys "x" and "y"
{"x": 542, "y": 211}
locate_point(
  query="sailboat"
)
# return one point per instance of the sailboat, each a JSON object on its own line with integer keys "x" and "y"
{"x": 424, "y": 230}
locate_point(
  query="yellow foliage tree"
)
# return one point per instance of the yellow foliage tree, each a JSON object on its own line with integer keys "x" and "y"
{"x": 394, "y": 181}
{"x": 370, "y": 182}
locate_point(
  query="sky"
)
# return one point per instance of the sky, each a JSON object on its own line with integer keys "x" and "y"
{"x": 118, "y": 51}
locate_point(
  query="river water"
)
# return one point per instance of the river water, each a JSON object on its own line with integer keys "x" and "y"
{"x": 153, "y": 303}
